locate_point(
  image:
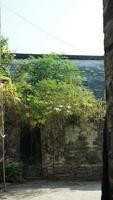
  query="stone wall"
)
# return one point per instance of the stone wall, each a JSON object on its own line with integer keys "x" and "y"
{"x": 70, "y": 151}
{"x": 108, "y": 44}
{"x": 12, "y": 132}
{"x": 12, "y": 145}
{"x": 73, "y": 151}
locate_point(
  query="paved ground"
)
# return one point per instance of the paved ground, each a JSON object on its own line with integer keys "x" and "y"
{"x": 44, "y": 190}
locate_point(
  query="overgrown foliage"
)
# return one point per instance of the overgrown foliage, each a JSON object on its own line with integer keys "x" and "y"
{"x": 51, "y": 85}
{"x": 5, "y": 57}
{"x": 13, "y": 172}
{"x": 43, "y": 90}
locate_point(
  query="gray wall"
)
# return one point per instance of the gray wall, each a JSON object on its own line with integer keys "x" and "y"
{"x": 94, "y": 72}
{"x": 72, "y": 151}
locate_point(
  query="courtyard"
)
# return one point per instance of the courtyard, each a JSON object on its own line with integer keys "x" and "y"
{"x": 49, "y": 190}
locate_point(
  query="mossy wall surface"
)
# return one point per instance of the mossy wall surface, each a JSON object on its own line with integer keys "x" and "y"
{"x": 72, "y": 151}
{"x": 67, "y": 150}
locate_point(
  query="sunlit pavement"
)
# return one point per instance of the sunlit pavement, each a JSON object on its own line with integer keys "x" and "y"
{"x": 44, "y": 190}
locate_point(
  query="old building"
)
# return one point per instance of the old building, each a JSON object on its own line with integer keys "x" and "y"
{"x": 58, "y": 149}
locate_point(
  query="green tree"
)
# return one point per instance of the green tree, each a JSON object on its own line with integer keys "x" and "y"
{"x": 52, "y": 84}
{"x": 5, "y": 57}
{"x": 49, "y": 85}
{"x": 50, "y": 66}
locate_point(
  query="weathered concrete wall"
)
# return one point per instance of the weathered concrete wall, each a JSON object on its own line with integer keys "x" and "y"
{"x": 108, "y": 43}
{"x": 72, "y": 151}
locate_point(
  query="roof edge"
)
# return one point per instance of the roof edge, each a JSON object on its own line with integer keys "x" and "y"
{"x": 71, "y": 57}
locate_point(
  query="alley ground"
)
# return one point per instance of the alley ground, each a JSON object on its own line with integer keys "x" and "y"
{"x": 48, "y": 190}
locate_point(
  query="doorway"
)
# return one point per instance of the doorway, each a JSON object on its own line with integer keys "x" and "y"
{"x": 30, "y": 148}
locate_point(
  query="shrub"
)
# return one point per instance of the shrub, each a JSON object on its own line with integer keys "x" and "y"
{"x": 13, "y": 172}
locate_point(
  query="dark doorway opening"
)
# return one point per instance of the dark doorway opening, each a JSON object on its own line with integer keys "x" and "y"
{"x": 31, "y": 155}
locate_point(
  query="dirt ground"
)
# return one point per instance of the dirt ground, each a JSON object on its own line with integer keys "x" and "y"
{"x": 49, "y": 190}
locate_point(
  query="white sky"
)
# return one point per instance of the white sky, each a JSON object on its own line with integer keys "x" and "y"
{"x": 77, "y": 22}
